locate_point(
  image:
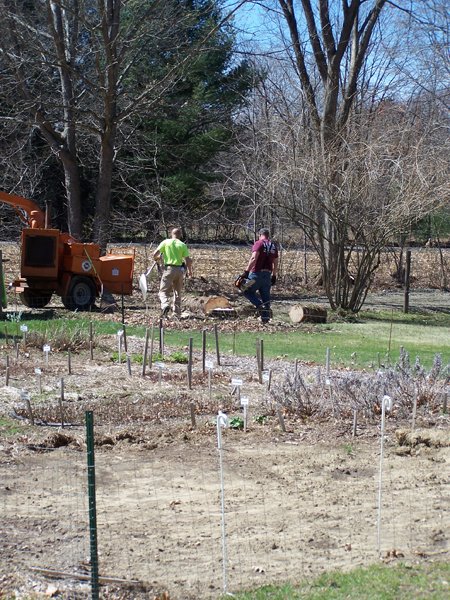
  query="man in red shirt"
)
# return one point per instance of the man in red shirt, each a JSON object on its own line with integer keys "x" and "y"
{"x": 262, "y": 271}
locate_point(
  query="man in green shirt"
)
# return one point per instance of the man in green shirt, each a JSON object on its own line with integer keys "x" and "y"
{"x": 175, "y": 257}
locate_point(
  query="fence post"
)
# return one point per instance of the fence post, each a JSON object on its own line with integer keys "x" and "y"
{"x": 92, "y": 504}
{"x": 407, "y": 282}
{"x": 216, "y": 335}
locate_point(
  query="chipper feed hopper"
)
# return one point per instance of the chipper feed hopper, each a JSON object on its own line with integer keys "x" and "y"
{"x": 53, "y": 262}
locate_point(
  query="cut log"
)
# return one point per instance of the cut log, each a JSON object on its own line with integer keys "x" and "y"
{"x": 308, "y": 314}
{"x": 210, "y": 303}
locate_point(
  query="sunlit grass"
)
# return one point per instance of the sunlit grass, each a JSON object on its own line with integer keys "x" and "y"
{"x": 373, "y": 340}
{"x": 378, "y": 582}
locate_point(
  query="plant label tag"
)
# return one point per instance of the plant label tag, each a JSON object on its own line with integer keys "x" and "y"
{"x": 235, "y": 381}
{"x": 120, "y": 333}
{"x": 46, "y": 348}
{"x": 244, "y": 401}
{"x": 327, "y": 381}
{"x": 265, "y": 375}
{"x": 209, "y": 364}
{"x": 23, "y": 328}
{"x": 160, "y": 365}
{"x": 38, "y": 371}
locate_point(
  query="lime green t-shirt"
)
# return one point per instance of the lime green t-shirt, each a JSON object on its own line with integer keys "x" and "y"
{"x": 174, "y": 251}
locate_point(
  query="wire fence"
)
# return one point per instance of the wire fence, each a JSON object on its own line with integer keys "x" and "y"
{"x": 292, "y": 509}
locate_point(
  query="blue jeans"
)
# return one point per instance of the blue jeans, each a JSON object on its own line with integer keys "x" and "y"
{"x": 259, "y": 293}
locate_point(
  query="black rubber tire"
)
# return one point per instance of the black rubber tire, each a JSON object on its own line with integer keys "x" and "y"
{"x": 81, "y": 295}
{"x": 35, "y": 298}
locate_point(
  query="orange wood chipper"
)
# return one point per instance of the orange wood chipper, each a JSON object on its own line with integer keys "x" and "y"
{"x": 53, "y": 262}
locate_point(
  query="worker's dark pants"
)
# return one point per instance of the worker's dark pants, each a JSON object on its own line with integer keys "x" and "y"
{"x": 259, "y": 293}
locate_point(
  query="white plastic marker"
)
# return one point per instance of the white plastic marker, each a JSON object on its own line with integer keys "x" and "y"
{"x": 160, "y": 366}
{"x": 244, "y": 403}
{"x": 386, "y": 405}
{"x": 209, "y": 364}
{"x": 46, "y": 349}
{"x": 222, "y": 422}
{"x": 24, "y": 329}
{"x": 38, "y": 372}
{"x": 119, "y": 343}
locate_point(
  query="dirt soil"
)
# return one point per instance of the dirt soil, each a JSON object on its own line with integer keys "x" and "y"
{"x": 296, "y": 503}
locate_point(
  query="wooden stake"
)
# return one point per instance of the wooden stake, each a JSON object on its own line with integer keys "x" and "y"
{"x": 203, "y": 351}
{"x": 192, "y": 410}
{"x": 129, "y": 364}
{"x": 189, "y": 365}
{"x": 261, "y": 354}
{"x": 125, "y": 345}
{"x": 123, "y": 310}
{"x": 269, "y": 383}
{"x": 216, "y": 335}
{"x": 390, "y": 336}
{"x": 258, "y": 360}
{"x": 152, "y": 338}
{"x": 69, "y": 362}
{"x": 144, "y": 356}
{"x": 161, "y": 338}
{"x": 7, "y": 376}
{"x": 80, "y": 577}
{"x": 29, "y": 410}
{"x": 281, "y": 419}
{"x": 91, "y": 340}
{"x": 407, "y": 282}
{"x": 61, "y": 400}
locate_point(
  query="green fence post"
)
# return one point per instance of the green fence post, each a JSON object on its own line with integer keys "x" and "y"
{"x": 92, "y": 504}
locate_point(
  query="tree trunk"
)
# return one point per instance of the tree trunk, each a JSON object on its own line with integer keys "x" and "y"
{"x": 73, "y": 191}
{"x": 103, "y": 196}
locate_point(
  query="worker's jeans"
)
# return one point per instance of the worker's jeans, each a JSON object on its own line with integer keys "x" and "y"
{"x": 170, "y": 288}
{"x": 259, "y": 293}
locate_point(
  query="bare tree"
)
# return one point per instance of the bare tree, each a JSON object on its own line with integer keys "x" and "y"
{"x": 68, "y": 65}
{"x": 348, "y": 165}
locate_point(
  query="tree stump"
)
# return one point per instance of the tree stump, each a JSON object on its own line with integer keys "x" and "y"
{"x": 210, "y": 303}
{"x": 308, "y": 314}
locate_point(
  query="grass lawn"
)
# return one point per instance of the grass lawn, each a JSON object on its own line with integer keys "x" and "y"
{"x": 379, "y": 582}
{"x": 373, "y": 339}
